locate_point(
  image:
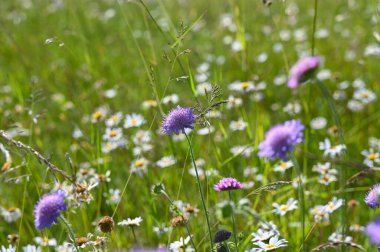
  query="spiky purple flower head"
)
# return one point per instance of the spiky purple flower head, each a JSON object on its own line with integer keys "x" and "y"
{"x": 226, "y": 184}
{"x": 48, "y": 209}
{"x": 373, "y": 231}
{"x": 373, "y": 196}
{"x": 300, "y": 71}
{"x": 178, "y": 120}
{"x": 280, "y": 139}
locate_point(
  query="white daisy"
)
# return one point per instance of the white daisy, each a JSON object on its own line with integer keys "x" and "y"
{"x": 234, "y": 102}
{"x": 318, "y": 123}
{"x": 371, "y": 157}
{"x": 170, "y": 99}
{"x": 203, "y": 88}
{"x": 244, "y": 150}
{"x": 364, "y": 95}
{"x": 290, "y": 205}
{"x": 331, "y": 150}
{"x": 11, "y": 214}
{"x": 134, "y": 120}
{"x": 114, "y": 120}
{"x": 131, "y": 222}
{"x": 166, "y": 161}
{"x": 113, "y": 135}
{"x": 274, "y": 243}
{"x": 238, "y": 125}
{"x": 283, "y": 166}
{"x": 333, "y": 205}
{"x": 44, "y": 241}
{"x": 181, "y": 245}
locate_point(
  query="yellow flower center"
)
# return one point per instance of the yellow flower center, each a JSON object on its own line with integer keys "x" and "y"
{"x": 365, "y": 95}
{"x": 12, "y": 209}
{"x": 134, "y": 122}
{"x": 139, "y": 163}
{"x": 284, "y": 208}
{"x": 371, "y": 156}
{"x": 244, "y": 85}
{"x": 113, "y": 133}
{"x": 270, "y": 246}
{"x": 283, "y": 166}
{"x": 98, "y": 115}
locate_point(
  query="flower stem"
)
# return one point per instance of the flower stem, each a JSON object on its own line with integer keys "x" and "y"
{"x": 300, "y": 196}
{"x": 314, "y": 27}
{"x": 226, "y": 245}
{"x": 134, "y": 235}
{"x": 200, "y": 191}
{"x": 233, "y": 221}
{"x": 70, "y": 231}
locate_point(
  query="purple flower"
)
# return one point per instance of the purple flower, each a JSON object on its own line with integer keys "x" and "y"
{"x": 373, "y": 231}
{"x": 178, "y": 120}
{"x": 228, "y": 184}
{"x": 47, "y": 209}
{"x": 301, "y": 69}
{"x": 372, "y": 197}
{"x": 280, "y": 139}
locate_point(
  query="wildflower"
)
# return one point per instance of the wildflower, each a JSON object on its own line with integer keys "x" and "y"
{"x": 371, "y": 157}
{"x": 302, "y": 69}
{"x": 242, "y": 87}
{"x": 44, "y": 241}
{"x": 170, "y": 99}
{"x": 12, "y": 238}
{"x": 166, "y": 161}
{"x": 181, "y": 245}
{"x": 99, "y": 115}
{"x": 131, "y": 222}
{"x": 114, "y": 120}
{"x": 327, "y": 178}
{"x": 298, "y": 180}
{"x": 280, "y": 139}
{"x": 244, "y": 150}
{"x": 238, "y": 125}
{"x": 333, "y": 205}
{"x": 31, "y": 248}
{"x": 273, "y": 243}
{"x": 134, "y": 120}
{"x": 48, "y": 209}
{"x": 178, "y": 120}
{"x": 139, "y": 165}
{"x": 9, "y": 249}
{"x": 356, "y": 228}
{"x": 234, "y": 102}
{"x": 320, "y": 213}
{"x": 226, "y": 184}
{"x": 206, "y": 130}
{"x": 331, "y": 150}
{"x": 106, "y": 224}
{"x": 338, "y": 237}
{"x": 221, "y": 236}
{"x": 11, "y": 214}
{"x": 262, "y": 235}
{"x": 373, "y": 231}
{"x": 373, "y": 196}
{"x": 149, "y": 104}
{"x": 113, "y": 135}
{"x": 318, "y": 123}
{"x": 204, "y": 88}
{"x": 364, "y": 95}
{"x": 290, "y": 205}
{"x": 283, "y": 166}
{"x": 160, "y": 230}
{"x": 355, "y": 105}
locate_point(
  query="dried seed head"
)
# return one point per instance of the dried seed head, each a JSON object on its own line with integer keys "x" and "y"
{"x": 12, "y": 238}
{"x": 178, "y": 221}
{"x": 106, "y": 224}
{"x": 81, "y": 240}
{"x": 352, "y": 203}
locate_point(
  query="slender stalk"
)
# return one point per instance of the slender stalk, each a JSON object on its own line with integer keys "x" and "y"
{"x": 186, "y": 224}
{"x": 134, "y": 235}
{"x": 342, "y": 171}
{"x": 314, "y": 26}
{"x": 233, "y": 222}
{"x": 70, "y": 231}
{"x": 200, "y": 191}
{"x": 226, "y": 245}
{"x": 300, "y": 197}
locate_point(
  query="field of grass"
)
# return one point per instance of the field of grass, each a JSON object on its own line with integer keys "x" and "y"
{"x": 67, "y": 68}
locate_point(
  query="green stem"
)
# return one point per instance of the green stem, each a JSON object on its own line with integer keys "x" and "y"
{"x": 134, "y": 235}
{"x": 186, "y": 223}
{"x": 314, "y": 26}
{"x": 233, "y": 221}
{"x": 200, "y": 191}
{"x": 70, "y": 231}
{"x": 226, "y": 245}
{"x": 342, "y": 172}
{"x": 300, "y": 197}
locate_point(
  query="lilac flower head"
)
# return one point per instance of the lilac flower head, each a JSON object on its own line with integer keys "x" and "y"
{"x": 48, "y": 209}
{"x": 373, "y": 196}
{"x": 280, "y": 139}
{"x": 373, "y": 231}
{"x": 227, "y": 184}
{"x": 178, "y": 120}
{"x": 301, "y": 69}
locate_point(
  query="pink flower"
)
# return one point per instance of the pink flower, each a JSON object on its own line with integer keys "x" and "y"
{"x": 301, "y": 69}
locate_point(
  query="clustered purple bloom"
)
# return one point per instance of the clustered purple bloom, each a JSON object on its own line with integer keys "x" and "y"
{"x": 226, "y": 184}
{"x": 372, "y": 197}
{"x": 48, "y": 209}
{"x": 301, "y": 69}
{"x": 280, "y": 139}
{"x": 178, "y": 120}
{"x": 373, "y": 231}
